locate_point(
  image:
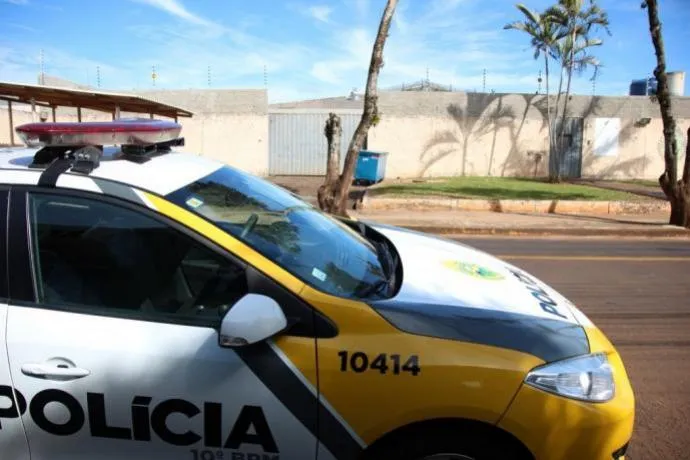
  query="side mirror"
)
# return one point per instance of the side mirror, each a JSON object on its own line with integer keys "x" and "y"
{"x": 252, "y": 319}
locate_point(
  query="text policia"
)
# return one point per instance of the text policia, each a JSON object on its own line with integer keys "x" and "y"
{"x": 250, "y": 427}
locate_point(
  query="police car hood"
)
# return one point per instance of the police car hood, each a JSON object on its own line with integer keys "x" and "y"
{"x": 451, "y": 290}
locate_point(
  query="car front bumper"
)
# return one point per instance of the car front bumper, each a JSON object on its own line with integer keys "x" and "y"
{"x": 555, "y": 427}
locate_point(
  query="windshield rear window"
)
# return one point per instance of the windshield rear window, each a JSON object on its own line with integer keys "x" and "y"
{"x": 315, "y": 247}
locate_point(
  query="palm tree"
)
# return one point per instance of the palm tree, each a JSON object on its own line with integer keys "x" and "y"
{"x": 576, "y": 59}
{"x": 576, "y": 22}
{"x": 544, "y": 38}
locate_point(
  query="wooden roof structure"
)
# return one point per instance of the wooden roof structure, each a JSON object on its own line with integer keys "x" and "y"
{"x": 53, "y": 96}
{"x": 102, "y": 101}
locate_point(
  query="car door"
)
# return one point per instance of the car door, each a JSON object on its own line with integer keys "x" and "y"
{"x": 112, "y": 339}
{"x": 13, "y": 442}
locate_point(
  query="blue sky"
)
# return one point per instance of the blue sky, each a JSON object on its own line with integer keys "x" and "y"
{"x": 311, "y": 48}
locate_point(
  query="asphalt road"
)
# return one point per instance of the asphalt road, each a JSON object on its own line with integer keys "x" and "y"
{"x": 638, "y": 293}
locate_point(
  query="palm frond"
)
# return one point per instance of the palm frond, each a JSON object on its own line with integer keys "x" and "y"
{"x": 531, "y": 16}
{"x": 517, "y": 25}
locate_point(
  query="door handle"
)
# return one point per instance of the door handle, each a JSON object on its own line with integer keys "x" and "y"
{"x": 54, "y": 372}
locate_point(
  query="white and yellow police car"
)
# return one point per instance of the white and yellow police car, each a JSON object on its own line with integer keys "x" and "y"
{"x": 159, "y": 304}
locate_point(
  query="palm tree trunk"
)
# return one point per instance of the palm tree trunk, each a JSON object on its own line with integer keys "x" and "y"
{"x": 553, "y": 153}
{"x": 561, "y": 128}
{"x": 548, "y": 103}
{"x": 548, "y": 95}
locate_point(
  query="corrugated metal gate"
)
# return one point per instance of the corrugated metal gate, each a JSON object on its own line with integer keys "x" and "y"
{"x": 297, "y": 145}
{"x": 571, "y": 161}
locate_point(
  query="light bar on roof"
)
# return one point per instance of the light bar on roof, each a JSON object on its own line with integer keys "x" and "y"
{"x": 132, "y": 131}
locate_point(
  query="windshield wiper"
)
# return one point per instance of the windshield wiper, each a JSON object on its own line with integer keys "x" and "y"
{"x": 374, "y": 288}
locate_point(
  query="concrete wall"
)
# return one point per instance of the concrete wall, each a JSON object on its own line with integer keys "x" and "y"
{"x": 230, "y": 126}
{"x": 443, "y": 134}
{"x": 640, "y": 151}
{"x": 426, "y": 133}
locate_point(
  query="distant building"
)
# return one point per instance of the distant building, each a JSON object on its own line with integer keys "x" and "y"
{"x": 643, "y": 87}
{"x": 422, "y": 85}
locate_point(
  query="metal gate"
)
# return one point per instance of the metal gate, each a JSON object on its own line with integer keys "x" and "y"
{"x": 571, "y": 155}
{"x": 297, "y": 144}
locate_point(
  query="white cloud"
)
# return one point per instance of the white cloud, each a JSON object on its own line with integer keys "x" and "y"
{"x": 320, "y": 12}
{"x": 23, "y": 27}
{"x": 17, "y": 2}
{"x": 452, "y": 40}
{"x": 21, "y": 62}
{"x": 361, "y": 7}
{"x": 177, "y": 9}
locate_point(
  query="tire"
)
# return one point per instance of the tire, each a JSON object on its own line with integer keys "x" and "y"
{"x": 447, "y": 445}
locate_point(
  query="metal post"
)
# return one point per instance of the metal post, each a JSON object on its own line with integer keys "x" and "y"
{"x": 53, "y": 114}
{"x": 175, "y": 118}
{"x": 9, "y": 111}
{"x": 33, "y": 110}
{"x": 79, "y": 114}
{"x": 151, "y": 116}
{"x": 116, "y": 115}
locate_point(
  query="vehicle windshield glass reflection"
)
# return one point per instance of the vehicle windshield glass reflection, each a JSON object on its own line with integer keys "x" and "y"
{"x": 308, "y": 243}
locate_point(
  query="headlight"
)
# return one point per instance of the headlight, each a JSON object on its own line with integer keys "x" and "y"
{"x": 586, "y": 378}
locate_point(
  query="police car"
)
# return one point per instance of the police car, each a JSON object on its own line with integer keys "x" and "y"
{"x": 159, "y": 304}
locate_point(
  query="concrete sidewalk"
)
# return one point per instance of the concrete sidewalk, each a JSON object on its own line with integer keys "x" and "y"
{"x": 493, "y": 223}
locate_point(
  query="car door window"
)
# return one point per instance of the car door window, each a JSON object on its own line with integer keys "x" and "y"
{"x": 96, "y": 255}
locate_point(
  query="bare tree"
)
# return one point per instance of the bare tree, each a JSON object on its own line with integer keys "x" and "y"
{"x": 333, "y": 132}
{"x": 677, "y": 191}
{"x": 337, "y": 202}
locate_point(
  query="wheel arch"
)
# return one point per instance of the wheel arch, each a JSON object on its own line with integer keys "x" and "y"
{"x": 450, "y": 427}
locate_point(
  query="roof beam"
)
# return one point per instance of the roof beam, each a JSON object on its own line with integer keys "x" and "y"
{"x": 46, "y": 96}
{"x": 21, "y": 101}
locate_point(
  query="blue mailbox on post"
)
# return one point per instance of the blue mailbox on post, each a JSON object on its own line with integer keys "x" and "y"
{"x": 371, "y": 167}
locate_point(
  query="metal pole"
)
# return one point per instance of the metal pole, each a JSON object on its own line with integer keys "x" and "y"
{"x": 53, "y": 114}
{"x": 79, "y": 114}
{"x": 9, "y": 110}
{"x": 33, "y": 110}
{"x": 116, "y": 115}
{"x": 151, "y": 115}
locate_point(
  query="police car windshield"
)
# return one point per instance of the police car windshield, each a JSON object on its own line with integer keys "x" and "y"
{"x": 308, "y": 243}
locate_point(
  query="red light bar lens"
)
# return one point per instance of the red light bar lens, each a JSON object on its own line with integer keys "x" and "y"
{"x": 137, "y": 131}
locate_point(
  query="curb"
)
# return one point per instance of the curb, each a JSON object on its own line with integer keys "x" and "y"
{"x": 514, "y": 206}
{"x": 559, "y": 231}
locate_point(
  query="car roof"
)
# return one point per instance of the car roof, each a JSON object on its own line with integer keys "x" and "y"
{"x": 161, "y": 175}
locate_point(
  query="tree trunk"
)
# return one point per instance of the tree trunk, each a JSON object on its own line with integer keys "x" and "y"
{"x": 333, "y": 132}
{"x": 553, "y": 152}
{"x": 548, "y": 103}
{"x": 561, "y": 128}
{"x": 369, "y": 115}
{"x": 677, "y": 192}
